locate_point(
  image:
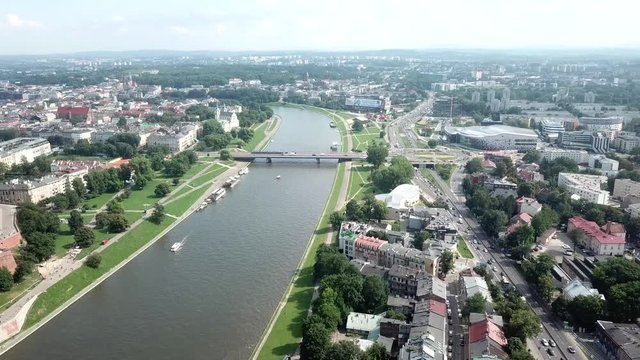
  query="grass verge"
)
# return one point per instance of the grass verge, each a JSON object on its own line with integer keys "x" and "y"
{"x": 258, "y": 135}
{"x": 359, "y": 185}
{"x": 463, "y": 249}
{"x": 287, "y": 327}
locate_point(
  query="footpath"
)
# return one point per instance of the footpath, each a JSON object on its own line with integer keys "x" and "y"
{"x": 12, "y": 319}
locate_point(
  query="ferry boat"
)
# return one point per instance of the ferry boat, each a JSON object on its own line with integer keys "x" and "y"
{"x": 334, "y": 145}
{"x": 243, "y": 171}
{"x": 231, "y": 182}
{"x": 218, "y": 194}
{"x": 332, "y": 124}
{"x": 176, "y": 247}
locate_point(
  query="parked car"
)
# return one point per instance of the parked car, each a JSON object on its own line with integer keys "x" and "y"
{"x": 551, "y": 352}
{"x": 552, "y": 343}
{"x": 544, "y": 342}
{"x": 571, "y": 349}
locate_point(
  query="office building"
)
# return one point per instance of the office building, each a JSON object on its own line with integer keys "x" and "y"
{"x": 606, "y": 166}
{"x": 586, "y": 187}
{"x": 365, "y": 103}
{"x": 584, "y": 140}
{"x": 624, "y": 187}
{"x": 506, "y": 99}
{"x": 602, "y": 123}
{"x": 21, "y": 150}
{"x": 626, "y": 143}
{"x": 495, "y": 137}
{"x": 579, "y": 156}
{"x": 551, "y": 129}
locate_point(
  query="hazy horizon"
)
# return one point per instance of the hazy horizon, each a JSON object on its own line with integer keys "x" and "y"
{"x": 71, "y": 26}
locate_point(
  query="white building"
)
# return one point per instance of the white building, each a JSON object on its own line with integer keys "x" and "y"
{"x": 21, "y": 150}
{"x": 577, "y": 288}
{"x": 494, "y": 137}
{"x": 402, "y": 197}
{"x": 634, "y": 210}
{"x": 363, "y": 324}
{"x": 626, "y": 143}
{"x": 19, "y": 190}
{"x": 608, "y": 167}
{"x": 624, "y": 187}
{"x": 579, "y": 156}
{"x": 587, "y": 187}
{"x": 474, "y": 285}
{"x": 549, "y": 127}
{"x": 613, "y": 123}
{"x": 175, "y": 142}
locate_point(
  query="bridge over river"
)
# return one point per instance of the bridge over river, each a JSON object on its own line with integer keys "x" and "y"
{"x": 269, "y": 156}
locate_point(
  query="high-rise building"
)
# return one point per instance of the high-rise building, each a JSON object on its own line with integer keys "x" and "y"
{"x": 491, "y": 95}
{"x": 506, "y": 98}
{"x": 589, "y": 97}
{"x": 475, "y": 97}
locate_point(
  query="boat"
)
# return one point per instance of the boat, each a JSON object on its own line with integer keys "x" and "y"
{"x": 334, "y": 145}
{"x": 176, "y": 247}
{"x": 243, "y": 171}
{"x": 218, "y": 194}
{"x": 278, "y": 177}
{"x": 332, "y": 124}
{"x": 231, "y": 181}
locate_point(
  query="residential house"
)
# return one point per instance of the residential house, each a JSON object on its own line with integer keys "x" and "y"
{"x": 528, "y": 205}
{"x": 364, "y": 325}
{"x": 486, "y": 337}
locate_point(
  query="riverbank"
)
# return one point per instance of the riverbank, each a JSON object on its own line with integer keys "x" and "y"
{"x": 122, "y": 250}
{"x": 283, "y": 333}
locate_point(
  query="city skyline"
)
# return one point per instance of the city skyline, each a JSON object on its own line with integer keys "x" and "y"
{"x": 279, "y": 25}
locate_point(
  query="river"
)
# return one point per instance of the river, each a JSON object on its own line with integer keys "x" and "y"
{"x": 213, "y": 299}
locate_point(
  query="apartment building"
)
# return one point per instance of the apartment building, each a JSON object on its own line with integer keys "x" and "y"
{"x": 21, "y": 150}
{"x": 587, "y": 187}
{"x": 624, "y": 187}
{"x": 18, "y": 191}
{"x": 579, "y": 156}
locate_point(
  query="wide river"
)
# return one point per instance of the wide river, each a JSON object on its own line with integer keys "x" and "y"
{"x": 213, "y": 299}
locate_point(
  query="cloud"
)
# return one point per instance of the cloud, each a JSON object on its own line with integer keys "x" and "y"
{"x": 14, "y": 21}
{"x": 117, "y": 18}
{"x": 180, "y": 30}
{"x": 220, "y": 28}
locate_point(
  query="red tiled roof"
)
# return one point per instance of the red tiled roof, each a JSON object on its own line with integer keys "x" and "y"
{"x": 522, "y": 217}
{"x": 7, "y": 260}
{"x": 369, "y": 242}
{"x": 73, "y": 111}
{"x": 486, "y": 329}
{"x": 613, "y": 228}
{"x": 438, "y": 307}
{"x": 10, "y": 242}
{"x": 592, "y": 229}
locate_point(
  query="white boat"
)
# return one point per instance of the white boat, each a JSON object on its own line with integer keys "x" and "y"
{"x": 218, "y": 194}
{"x": 334, "y": 145}
{"x": 243, "y": 171}
{"x": 176, "y": 247}
{"x": 278, "y": 177}
{"x": 232, "y": 181}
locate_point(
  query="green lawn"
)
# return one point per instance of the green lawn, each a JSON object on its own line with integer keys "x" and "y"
{"x": 258, "y": 135}
{"x": 66, "y": 288}
{"x": 8, "y": 297}
{"x": 359, "y": 184}
{"x": 65, "y": 240}
{"x": 362, "y": 139}
{"x": 208, "y": 176}
{"x": 287, "y": 329}
{"x": 463, "y": 249}
{"x": 179, "y": 206}
{"x": 145, "y": 198}
{"x": 98, "y": 201}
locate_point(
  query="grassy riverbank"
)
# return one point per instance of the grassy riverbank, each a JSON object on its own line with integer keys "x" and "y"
{"x": 286, "y": 326}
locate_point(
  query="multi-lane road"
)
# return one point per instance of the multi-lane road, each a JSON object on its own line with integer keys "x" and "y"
{"x": 485, "y": 248}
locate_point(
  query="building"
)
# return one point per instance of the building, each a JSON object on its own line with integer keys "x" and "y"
{"x": 624, "y": 187}
{"x": 71, "y": 136}
{"x": 369, "y": 104}
{"x": 19, "y": 150}
{"x": 579, "y": 156}
{"x": 423, "y": 347}
{"x": 20, "y": 190}
{"x": 401, "y": 198}
{"x": 595, "y": 239}
{"x": 506, "y": 99}
{"x": 70, "y": 112}
{"x": 619, "y": 341}
{"x": 495, "y": 137}
{"x": 606, "y": 166}
{"x": 176, "y": 142}
{"x": 403, "y": 281}
{"x": 396, "y": 254}
{"x": 587, "y": 187}
{"x": 501, "y": 187}
{"x": 486, "y": 337}
{"x": 475, "y": 97}
{"x": 634, "y": 210}
{"x": 528, "y": 205}
{"x": 579, "y": 288}
{"x": 626, "y": 143}
{"x": 613, "y": 123}
{"x": 597, "y": 142}
{"x": 474, "y": 285}
{"x": 550, "y": 128}
{"x": 349, "y": 232}
{"x": 491, "y": 95}
{"x": 364, "y": 325}
{"x": 367, "y": 248}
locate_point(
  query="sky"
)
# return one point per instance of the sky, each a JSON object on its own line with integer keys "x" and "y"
{"x": 64, "y": 26}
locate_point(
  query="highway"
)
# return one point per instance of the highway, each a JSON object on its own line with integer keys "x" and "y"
{"x": 485, "y": 249}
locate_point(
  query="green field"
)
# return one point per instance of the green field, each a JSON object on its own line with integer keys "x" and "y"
{"x": 98, "y": 201}
{"x": 362, "y": 139}
{"x": 8, "y": 297}
{"x": 259, "y": 133}
{"x": 359, "y": 184}
{"x": 145, "y": 198}
{"x": 463, "y": 249}
{"x": 208, "y": 176}
{"x": 287, "y": 329}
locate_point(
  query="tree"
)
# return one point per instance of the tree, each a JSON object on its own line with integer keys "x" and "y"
{"x": 24, "y": 267}
{"x": 335, "y": 219}
{"x": 225, "y": 154}
{"x": 517, "y": 350}
{"x": 60, "y": 202}
{"x": 343, "y": 350}
{"x": 377, "y": 153}
{"x": 546, "y": 287}
{"x": 526, "y": 189}
{"x": 94, "y": 260}
{"x": 392, "y": 314}
{"x": 382, "y": 134}
{"x": 379, "y": 211}
{"x": 473, "y": 166}
{"x": 329, "y": 261}
{"x": 374, "y": 293}
{"x": 532, "y": 156}
{"x": 41, "y": 245}
{"x": 523, "y": 235}
{"x": 614, "y": 271}
{"x": 475, "y": 304}
{"x": 353, "y": 211}
{"x": 623, "y": 301}
{"x": 84, "y": 237}
{"x": 6, "y": 279}
{"x": 117, "y": 223}
{"x": 501, "y": 170}
{"x": 543, "y": 220}
{"x": 446, "y": 261}
{"x": 158, "y": 214}
{"x": 162, "y": 190}
{"x": 376, "y": 352}
{"x": 114, "y": 207}
{"x": 217, "y": 141}
{"x": 79, "y": 187}
{"x": 585, "y": 310}
{"x": 432, "y": 143}
{"x": 420, "y": 238}
{"x": 493, "y": 221}
{"x": 315, "y": 341}
{"x": 245, "y": 134}
{"x": 326, "y": 308}
{"x": 347, "y": 285}
{"x": 400, "y": 171}
{"x": 75, "y": 221}
{"x": 523, "y": 324}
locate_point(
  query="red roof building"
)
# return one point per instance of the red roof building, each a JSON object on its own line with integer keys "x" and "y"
{"x": 438, "y": 307}
{"x": 595, "y": 239}
{"x": 486, "y": 338}
{"x": 367, "y": 248}
{"x": 7, "y": 261}
{"x": 67, "y": 112}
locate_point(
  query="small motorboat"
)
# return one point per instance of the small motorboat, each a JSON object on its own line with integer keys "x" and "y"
{"x": 278, "y": 177}
{"x": 176, "y": 247}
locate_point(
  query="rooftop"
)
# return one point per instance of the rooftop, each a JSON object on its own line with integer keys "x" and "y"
{"x": 625, "y": 336}
{"x": 363, "y": 322}
{"x": 592, "y": 229}
{"x": 494, "y": 130}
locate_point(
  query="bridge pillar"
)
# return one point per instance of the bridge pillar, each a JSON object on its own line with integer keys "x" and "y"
{"x": 318, "y": 160}
{"x": 268, "y": 160}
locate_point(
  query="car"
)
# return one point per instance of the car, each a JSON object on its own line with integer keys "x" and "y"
{"x": 450, "y": 332}
{"x": 552, "y": 343}
{"x": 495, "y": 269}
{"x": 490, "y": 261}
{"x": 571, "y": 349}
{"x": 544, "y": 342}
{"x": 459, "y": 315}
{"x": 551, "y": 352}
{"x": 485, "y": 250}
